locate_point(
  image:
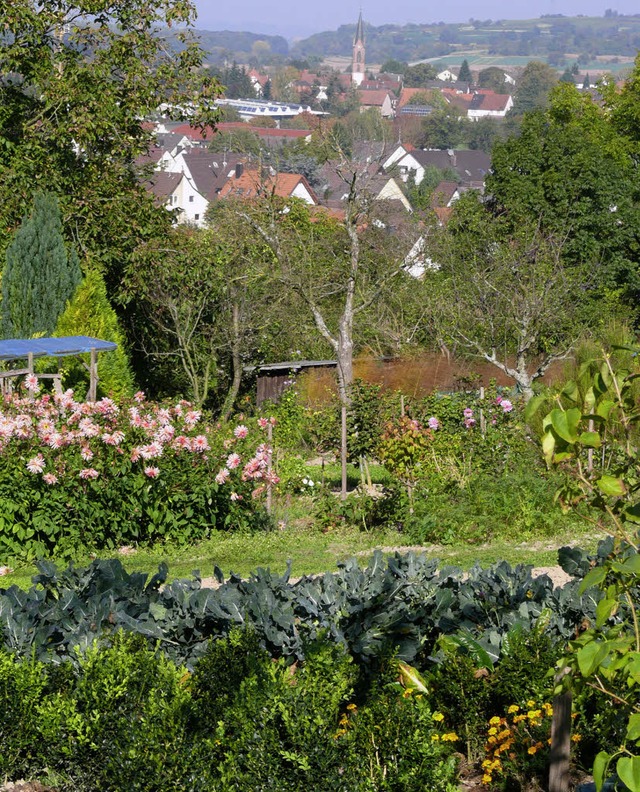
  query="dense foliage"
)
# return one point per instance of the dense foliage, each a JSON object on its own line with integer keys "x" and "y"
{"x": 127, "y": 718}
{"x": 405, "y": 602}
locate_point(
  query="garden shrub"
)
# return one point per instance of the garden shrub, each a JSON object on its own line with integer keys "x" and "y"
{"x": 124, "y": 717}
{"x": 97, "y": 475}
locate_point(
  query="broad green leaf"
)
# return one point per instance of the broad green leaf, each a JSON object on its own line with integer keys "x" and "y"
{"x": 589, "y": 400}
{"x": 610, "y": 485}
{"x": 594, "y": 577}
{"x": 565, "y": 423}
{"x": 600, "y": 766}
{"x": 632, "y": 513}
{"x": 411, "y": 678}
{"x": 628, "y": 769}
{"x": 571, "y": 391}
{"x": 591, "y": 656}
{"x": 633, "y": 727}
{"x": 590, "y": 439}
{"x": 629, "y": 567}
{"x": 562, "y": 456}
{"x": 533, "y": 405}
{"x": 604, "y": 408}
{"x": 604, "y": 609}
{"x": 548, "y": 447}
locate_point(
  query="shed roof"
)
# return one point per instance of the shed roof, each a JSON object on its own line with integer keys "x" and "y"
{"x": 19, "y": 348}
{"x": 292, "y": 365}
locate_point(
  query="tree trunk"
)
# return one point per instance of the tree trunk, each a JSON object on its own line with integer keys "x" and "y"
{"x": 236, "y": 360}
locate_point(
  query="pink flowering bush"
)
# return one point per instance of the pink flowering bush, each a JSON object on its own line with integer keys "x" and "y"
{"x": 96, "y": 475}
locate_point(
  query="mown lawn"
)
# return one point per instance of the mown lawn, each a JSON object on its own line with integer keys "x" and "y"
{"x": 312, "y": 551}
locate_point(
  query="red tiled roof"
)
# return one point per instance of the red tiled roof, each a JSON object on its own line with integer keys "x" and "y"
{"x": 490, "y": 101}
{"x": 250, "y": 184}
{"x": 407, "y": 94}
{"x": 373, "y": 98}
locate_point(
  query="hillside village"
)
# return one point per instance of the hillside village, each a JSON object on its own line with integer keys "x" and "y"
{"x": 188, "y": 176}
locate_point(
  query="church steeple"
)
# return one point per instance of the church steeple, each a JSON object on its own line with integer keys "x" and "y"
{"x": 357, "y": 65}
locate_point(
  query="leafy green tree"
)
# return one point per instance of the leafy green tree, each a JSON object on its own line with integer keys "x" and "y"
{"x": 176, "y": 292}
{"x": 443, "y": 129}
{"x": 504, "y": 296}
{"x": 90, "y": 313}
{"x": 419, "y": 75}
{"x": 40, "y": 274}
{"x": 465, "y": 72}
{"x": 239, "y": 140}
{"x": 84, "y": 79}
{"x": 492, "y": 78}
{"x": 534, "y": 87}
{"x": 393, "y": 66}
{"x": 572, "y": 173}
{"x": 483, "y": 133}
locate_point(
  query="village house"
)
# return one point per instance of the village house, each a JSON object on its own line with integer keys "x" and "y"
{"x": 251, "y": 183}
{"x": 487, "y": 104}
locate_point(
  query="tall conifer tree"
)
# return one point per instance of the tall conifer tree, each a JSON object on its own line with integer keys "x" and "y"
{"x": 40, "y": 275}
{"x": 465, "y": 72}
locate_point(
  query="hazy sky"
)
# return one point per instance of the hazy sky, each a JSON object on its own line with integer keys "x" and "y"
{"x": 292, "y": 18}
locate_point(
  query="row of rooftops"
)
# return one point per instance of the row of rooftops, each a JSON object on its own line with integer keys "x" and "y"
{"x": 190, "y": 172}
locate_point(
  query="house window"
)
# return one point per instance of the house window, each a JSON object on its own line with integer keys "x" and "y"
{"x": 196, "y": 217}
{"x": 191, "y": 199}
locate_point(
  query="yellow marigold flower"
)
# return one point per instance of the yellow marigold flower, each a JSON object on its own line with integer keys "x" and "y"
{"x": 486, "y": 778}
{"x": 505, "y": 734}
{"x": 352, "y": 707}
{"x": 532, "y": 749}
{"x": 534, "y": 714}
{"x": 435, "y": 737}
{"x": 513, "y": 708}
{"x": 493, "y": 730}
{"x": 548, "y": 708}
{"x": 487, "y": 763}
{"x": 406, "y": 693}
{"x": 450, "y": 737}
{"x": 495, "y": 721}
{"x": 576, "y": 737}
{"x": 491, "y": 741}
{"x": 519, "y": 718}
{"x": 496, "y": 764}
{"x": 531, "y": 704}
{"x": 438, "y": 716}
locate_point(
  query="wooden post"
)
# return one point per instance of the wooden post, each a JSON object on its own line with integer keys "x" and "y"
{"x": 560, "y": 744}
{"x": 93, "y": 376}
{"x": 269, "y": 460}
{"x": 343, "y": 452}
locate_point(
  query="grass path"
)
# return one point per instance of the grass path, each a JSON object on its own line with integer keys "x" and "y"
{"x": 311, "y": 551}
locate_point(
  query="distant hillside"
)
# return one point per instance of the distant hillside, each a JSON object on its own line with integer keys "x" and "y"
{"x": 232, "y": 45}
{"x": 550, "y": 37}
{"x": 594, "y": 42}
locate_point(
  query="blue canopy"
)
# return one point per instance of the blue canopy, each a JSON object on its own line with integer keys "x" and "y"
{"x": 19, "y": 348}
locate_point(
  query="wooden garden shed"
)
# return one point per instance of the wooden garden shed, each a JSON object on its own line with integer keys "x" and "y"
{"x": 274, "y": 378}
